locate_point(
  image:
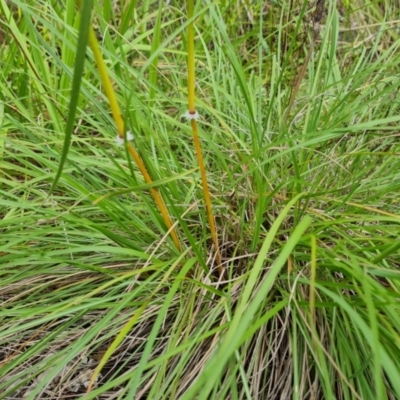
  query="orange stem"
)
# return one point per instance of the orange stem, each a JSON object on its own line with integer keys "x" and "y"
{"x": 206, "y": 193}
{"x": 156, "y": 196}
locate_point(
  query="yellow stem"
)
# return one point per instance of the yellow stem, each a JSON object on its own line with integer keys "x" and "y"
{"x": 106, "y": 81}
{"x": 119, "y": 121}
{"x": 191, "y": 59}
{"x": 196, "y": 140}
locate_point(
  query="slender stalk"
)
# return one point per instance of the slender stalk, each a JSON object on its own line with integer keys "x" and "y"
{"x": 192, "y": 115}
{"x": 105, "y": 80}
{"x": 156, "y": 196}
{"x": 191, "y": 59}
{"x": 119, "y": 121}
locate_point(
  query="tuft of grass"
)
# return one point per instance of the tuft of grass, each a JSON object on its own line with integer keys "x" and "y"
{"x": 97, "y": 302}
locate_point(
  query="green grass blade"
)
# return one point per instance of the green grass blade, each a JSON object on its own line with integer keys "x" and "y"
{"x": 85, "y": 23}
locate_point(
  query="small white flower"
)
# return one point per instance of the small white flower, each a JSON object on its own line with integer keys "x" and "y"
{"x": 120, "y": 141}
{"x": 191, "y": 115}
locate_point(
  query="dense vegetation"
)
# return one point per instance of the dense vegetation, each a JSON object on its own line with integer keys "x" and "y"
{"x": 299, "y": 128}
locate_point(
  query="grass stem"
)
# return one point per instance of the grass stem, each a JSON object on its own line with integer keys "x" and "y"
{"x": 192, "y": 114}
{"x": 119, "y": 121}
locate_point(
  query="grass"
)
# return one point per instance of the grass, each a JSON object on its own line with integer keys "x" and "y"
{"x": 98, "y": 302}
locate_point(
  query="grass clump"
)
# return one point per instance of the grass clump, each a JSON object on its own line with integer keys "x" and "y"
{"x": 299, "y": 136}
